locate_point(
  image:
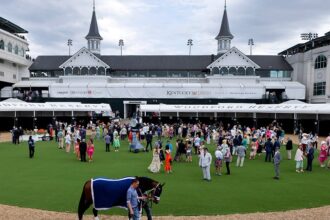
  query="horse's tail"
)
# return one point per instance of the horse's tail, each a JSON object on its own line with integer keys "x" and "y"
{"x": 82, "y": 203}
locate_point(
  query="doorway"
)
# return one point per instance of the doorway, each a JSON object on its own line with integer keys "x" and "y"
{"x": 132, "y": 108}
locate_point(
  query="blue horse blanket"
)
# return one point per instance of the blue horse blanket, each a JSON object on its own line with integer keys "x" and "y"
{"x": 108, "y": 193}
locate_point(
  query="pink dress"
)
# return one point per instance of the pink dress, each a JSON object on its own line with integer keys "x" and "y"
{"x": 90, "y": 150}
{"x": 323, "y": 154}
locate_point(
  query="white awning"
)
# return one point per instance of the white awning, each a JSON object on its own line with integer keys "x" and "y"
{"x": 49, "y": 106}
{"x": 242, "y": 108}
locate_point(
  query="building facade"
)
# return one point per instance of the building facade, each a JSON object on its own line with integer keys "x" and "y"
{"x": 310, "y": 67}
{"x": 125, "y": 82}
{"x": 14, "y": 61}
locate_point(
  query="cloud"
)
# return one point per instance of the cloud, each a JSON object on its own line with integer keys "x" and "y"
{"x": 163, "y": 27}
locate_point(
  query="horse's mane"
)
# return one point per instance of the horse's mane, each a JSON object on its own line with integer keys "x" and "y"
{"x": 146, "y": 183}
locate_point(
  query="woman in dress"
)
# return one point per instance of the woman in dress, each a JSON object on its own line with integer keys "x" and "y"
{"x": 116, "y": 142}
{"x": 323, "y": 154}
{"x": 154, "y": 167}
{"x": 76, "y": 149}
{"x": 90, "y": 150}
{"x": 168, "y": 160}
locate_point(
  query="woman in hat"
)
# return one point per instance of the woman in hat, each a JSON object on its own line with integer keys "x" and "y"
{"x": 323, "y": 156}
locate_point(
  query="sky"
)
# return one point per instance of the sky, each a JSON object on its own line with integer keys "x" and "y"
{"x": 162, "y": 27}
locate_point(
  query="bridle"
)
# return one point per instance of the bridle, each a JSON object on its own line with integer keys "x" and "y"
{"x": 150, "y": 195}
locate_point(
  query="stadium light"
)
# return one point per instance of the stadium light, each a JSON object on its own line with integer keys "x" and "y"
{"x": 121, "y": 44}
{"x": 69, "y": 45}
{"x": 251, "y": 44}
{"x": 308, "y": 36}
{"x": 190, "y": 43}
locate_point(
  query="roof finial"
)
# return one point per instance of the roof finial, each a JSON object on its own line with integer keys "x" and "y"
{"x": 225, "y": 4}
{"x": 93, "y": 5}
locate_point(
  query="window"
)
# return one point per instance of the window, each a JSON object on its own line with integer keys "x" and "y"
{"x": 2, "y": 74}
{"x": 14, "y": 76}
{"x": 215, "y": 71}
{"x": 319, "y": 88}
{"x": 320, "y": 62}
{"x": 2, "y": 45}
{"x": 16, "y": 50}
{"x": 23, "y": 52}
{"x": 10, "y": 47}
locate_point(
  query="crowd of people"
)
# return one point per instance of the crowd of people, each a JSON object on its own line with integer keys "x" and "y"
{"x": 233, "y": 142}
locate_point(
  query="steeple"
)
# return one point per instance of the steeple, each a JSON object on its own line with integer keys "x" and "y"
{"x": 93, "y": 37}
{"x": 224, "y": 37}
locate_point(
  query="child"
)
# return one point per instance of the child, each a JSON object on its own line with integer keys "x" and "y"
{"x": 76, "y": 149}
{"x": 116, "y": 142}
{"x": 299, "y": 158}
{"x": 90, "y": 150}
{"x": 188, "y": 150}
{"x": 323, "y": 154}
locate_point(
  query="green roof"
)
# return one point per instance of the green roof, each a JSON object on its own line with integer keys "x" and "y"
{"x": 11, "y": 27}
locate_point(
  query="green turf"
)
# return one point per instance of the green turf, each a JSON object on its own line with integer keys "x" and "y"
{"x": 53, "y": 180}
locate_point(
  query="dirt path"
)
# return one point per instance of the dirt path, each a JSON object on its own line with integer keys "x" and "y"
{"x": 16, "y": 213}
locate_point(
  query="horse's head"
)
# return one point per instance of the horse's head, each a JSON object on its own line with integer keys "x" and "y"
{"x": 156, "y": 192}
{"x": 153, "y": 188}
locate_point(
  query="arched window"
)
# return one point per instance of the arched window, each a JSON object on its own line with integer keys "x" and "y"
{"x": 68, "y": 71}
{"x": 84, "y": 71}
{"x": 250, "y": 71}
{"x": 10, "y": 47}
{"x": 320, "y": 62}
{"x": 224, "y": 71}
{"x": 76, "y": 71}
{"x": 2, "y": 45}
{"x": 16, "y": 50}
{"x": 92, "y": 71}
{"x": 101, "y": 71}
{"x": 233, "y": 71}
{"x": 241, "y": 71}
{"x": 23, "y": 52}
{"x": 215, "y": 71}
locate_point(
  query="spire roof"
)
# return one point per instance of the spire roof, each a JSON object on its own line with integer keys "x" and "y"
{"x": 94, "y": 29}
{"x": 224, "y": 29}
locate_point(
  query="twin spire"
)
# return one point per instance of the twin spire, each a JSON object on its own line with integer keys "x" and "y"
{"x": 93, "y": 37}
{"x": 224, "y": 37}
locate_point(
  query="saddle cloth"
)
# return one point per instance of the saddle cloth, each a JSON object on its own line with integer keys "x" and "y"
{"x": 108, "y": 193}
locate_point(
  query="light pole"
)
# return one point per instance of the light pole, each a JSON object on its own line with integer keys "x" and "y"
{"x": 69, "y": 45}
{"x": 190, "y": 43}
{"x": 251, "y": 44}
{"x": 121, "y": 44}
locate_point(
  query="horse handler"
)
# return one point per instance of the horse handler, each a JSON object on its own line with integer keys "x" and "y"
{"x": 132, "y": 201}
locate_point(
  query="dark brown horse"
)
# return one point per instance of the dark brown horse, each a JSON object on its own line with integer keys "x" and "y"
{"x": 151, "y": 188}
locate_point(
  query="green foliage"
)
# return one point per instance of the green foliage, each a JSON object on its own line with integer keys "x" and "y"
{"x": 53, "y": 180}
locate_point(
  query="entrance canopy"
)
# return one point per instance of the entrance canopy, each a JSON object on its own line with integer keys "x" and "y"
{"x": 285, "y": 108}
{"x": 53, "y": 106}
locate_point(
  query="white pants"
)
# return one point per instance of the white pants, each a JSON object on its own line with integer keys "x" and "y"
{"x": 206, "y": 173}
{"x": 240, "y": 161}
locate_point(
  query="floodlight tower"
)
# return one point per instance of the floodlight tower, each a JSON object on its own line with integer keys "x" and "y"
{"x": 69, "y": 45}
{"x": 308, "y": 36}
{"x": 121, "y": 44}
{"x": 251, "y": 44}
{"x": 190, "y": 44}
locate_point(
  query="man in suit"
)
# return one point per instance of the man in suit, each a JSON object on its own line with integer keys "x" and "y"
{"x": 149, "y": 141}
{"x": 310, "y": 158}
{"x": 268, "y": 147}
{"x": 277, "y": 161}
{"x": 82, "y": 150}
{"x": 205, "y": 160}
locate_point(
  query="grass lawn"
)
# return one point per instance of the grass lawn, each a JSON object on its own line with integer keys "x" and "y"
{"x": 53, "y": 180}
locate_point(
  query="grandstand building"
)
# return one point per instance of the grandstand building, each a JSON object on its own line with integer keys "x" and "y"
{"x": 14, "y": 60}
{"x": 125, "y": 82}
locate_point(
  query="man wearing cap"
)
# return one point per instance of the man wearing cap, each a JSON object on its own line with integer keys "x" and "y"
{"x": 277, "y": 161}
{"x": 205, "y": 160}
